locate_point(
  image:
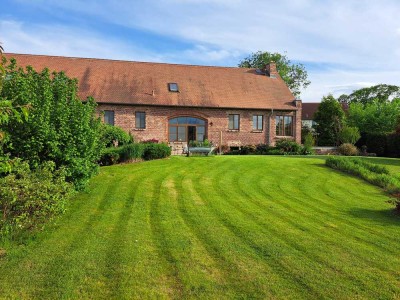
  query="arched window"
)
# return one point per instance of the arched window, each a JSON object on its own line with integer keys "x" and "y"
{"x": 185, "y": 129}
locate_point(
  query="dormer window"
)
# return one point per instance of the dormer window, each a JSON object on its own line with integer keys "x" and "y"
{"x": 173, "y": 87}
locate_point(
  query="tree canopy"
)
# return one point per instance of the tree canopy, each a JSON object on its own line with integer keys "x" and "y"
{"x": 60, "y": 128}
{"x": 330, "y": 120}
{"x": 294, "y": 75}
{"x": 379, "y": 93}
{"x": 374, "y": 117}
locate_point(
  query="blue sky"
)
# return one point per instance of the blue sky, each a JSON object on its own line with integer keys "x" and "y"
{"x": 344, "y": 45}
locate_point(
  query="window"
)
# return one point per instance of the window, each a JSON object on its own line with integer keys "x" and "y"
{"x": 185, "y": 129}
{"x": 258, "y": 122}
{"x": 284, "y": 125}
{"x": 109, "y": 117}
{"x": 173, "y": 87}
{"x": 140, "y": 120}
{"x": 234, "y": 122}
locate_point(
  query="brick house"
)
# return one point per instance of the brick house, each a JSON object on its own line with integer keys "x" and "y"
{"x": 178, "y": 103}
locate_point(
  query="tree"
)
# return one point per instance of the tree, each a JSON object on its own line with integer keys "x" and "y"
{"x": 375, "y": 117}
{"x": 349, "y": 135}
{"x": 379, "y": 93}
{"x": 294, "y": 75}
{"x": 60, "y": 128}
{"x": 330, "y": 120}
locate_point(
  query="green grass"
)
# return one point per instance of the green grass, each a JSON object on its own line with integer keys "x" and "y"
{"x": 215, "y": 228}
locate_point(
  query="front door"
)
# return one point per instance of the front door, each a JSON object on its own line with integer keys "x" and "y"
{"x": 191, "y": 133}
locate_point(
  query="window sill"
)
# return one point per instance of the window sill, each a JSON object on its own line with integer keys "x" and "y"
{"x": 139, "y": 129}
{"x": 284, "y": 136}
{"x": 233, "y": 130}
{"x": 257, "y": 131}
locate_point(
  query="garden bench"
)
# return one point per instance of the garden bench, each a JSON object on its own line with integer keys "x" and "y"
{"x": 200, "y": 150}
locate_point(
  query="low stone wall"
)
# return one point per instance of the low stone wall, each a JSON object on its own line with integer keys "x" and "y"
{"x": 325, "y": 150}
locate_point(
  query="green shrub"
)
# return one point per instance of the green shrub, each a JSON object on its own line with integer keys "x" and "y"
{"x": 115, "y": 136}
{"x": 309, "y": 142}
{"x": 347, "y": 150}
{"x": 288, "y": 146}
{"x": 274, "y": 151}
{"x": 28, "y": 199}
{"x": 109, "y": 156}
{"x": 262, "y": 149}
{"x": 131, "y": 152}
{"x": 249, "y": 149}
{"x": 156, "y": 151}
{"x": 60, "y": 127}
{"x": 349, "y": 135}
{"x": 371, "y": 167}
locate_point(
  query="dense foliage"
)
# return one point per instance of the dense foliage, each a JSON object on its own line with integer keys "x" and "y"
{"x": 282, "y": 147}
{"x": 375, "y": 174}
{"x": 134, "y": 152}
{"x": 30, "y": 198}
{"x": 349, "y": 135}
{"x": 330, "y": 120}
{"x": 294, "y": 75}
{"x": 61, "y": 128}
{"x": 156, "y": 151}
{"x": 374, "y": 117}
{"x": 348, "y": 149}
{"x": 115, "y": 136}
{"x": 380, "y": 93}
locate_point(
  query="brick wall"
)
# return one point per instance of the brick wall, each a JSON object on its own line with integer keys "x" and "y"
{"x": 217, "y": 122}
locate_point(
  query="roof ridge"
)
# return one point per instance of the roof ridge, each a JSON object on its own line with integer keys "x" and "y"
{"x": 127, "y": 61}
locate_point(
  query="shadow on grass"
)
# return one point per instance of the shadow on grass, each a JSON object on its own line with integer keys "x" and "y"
{"x": 382, "y": 216}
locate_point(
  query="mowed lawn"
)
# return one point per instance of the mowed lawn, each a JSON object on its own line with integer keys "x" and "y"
{"x": 215, "y": 228}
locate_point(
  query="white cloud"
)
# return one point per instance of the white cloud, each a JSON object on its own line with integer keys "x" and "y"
{"x": 19, "y": 37}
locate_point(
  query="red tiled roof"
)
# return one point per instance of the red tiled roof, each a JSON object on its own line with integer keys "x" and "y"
{"x": 127, "y": 82}
{"x": 308, "y": 110}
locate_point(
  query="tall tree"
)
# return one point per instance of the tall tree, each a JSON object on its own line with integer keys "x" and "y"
{"x": 374, "y": 117}
{"x": 380, "y": 93}
{"x": 330, "y": 119}
{"x": 294, "y": 75}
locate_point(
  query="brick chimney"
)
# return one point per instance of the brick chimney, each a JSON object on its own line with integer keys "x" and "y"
{"x": 270, "y": 70}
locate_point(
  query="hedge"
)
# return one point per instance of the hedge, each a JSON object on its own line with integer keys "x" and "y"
{"x": 372, "y": 173}
{"x": 134, "y": 152}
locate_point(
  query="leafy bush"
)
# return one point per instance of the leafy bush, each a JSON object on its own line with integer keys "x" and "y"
{"x": 30, "y": 198}
{"x": 274, "y": 151}
{"x": 309, "y": 142}
{"x": 109, "y": 156}
{"x": 262, "y": 149}
{"x": 347, "y": 150}
{"x": 60, "y": 127}
{"x": 349, "y": 135}
{"x": 115, "y": 136}
{"x": 156, "y": 151}
{"x": 249, "y": 149}
{"x": 288, "y": 146}
{"x": 131, "y": 152}
{"x": 134, "y": 152}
